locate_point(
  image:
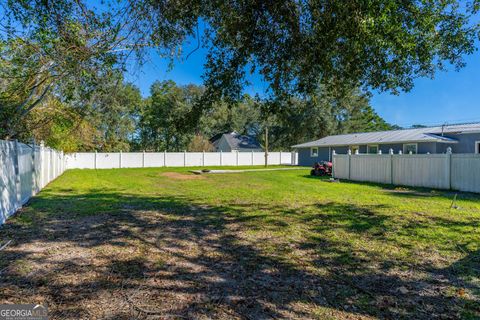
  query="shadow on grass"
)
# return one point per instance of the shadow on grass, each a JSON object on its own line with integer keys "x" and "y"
{"x": 136, "y": 256}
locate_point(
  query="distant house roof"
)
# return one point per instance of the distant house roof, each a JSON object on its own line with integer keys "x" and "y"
{"x": 427, "y": 134}
{"x": 237, "y": 141}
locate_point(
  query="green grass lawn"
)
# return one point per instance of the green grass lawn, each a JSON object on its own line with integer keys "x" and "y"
{"x": 163, "y": 243}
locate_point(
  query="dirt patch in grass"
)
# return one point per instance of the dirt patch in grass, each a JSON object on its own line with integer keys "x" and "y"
{"x": 181, "y": 176}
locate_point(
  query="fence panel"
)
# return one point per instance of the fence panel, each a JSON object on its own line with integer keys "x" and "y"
{"x": 341, "y": 166}
{"x": 441, "y": 171}
{"x": 466, "y": 172}
{"x": 229, "y": 158}
{"x": 194, "y": 159}
{"x": 425, "y": 170}
{"x": 371, "y": 168}
{"x": 258, "y": 158}
{"x": 132, "y": 160}
{"x": 8, "y": 200}
{"x": 153, "y": 159}
{"x": 83, "y": 160}
{"x": 212, "y": 158}
{"x": 25, "y": 170}
{"x": 107, "y": 160}
{"x": 274, "y": 158}
{"x": 286, "y": 158}
{"x": 175, "y": 159}
{"x": 37, "y": 176}
{"x": 245, "y": 158}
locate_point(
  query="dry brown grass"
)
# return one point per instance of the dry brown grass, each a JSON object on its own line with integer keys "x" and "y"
{"x": 180, "y": 176}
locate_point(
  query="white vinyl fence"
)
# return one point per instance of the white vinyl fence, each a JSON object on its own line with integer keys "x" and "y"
{"x": 112, "y": 160}
{"x": 24, "y": 171}
{"x": 441, "y": 171}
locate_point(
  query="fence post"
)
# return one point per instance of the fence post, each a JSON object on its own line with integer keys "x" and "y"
{"x": 62, "y": 155}
{"x": 54, "y": 164}
{"x": 252, "y": 158}
{"x": 34, "y": 172}
{"x": 391, "y": 165}
{"x": 184, "y": 158}
{"x": 280, "y": 161}
{"x": 42, "y": 164}
{"x": 333, "y": 163}
{"x": 16, "y": 164}
{"x": 143, "y": 159}
{"x": 165, "y": 158}
{"x": 349, "y": 163}
{"x": 120, "y": 160}
{"x": 95, "y": 161}
{"x": 47, "y": 163}
{"x": 203, "y": 158}
{"x": 449, "y": 168}
{"x": 237, "y": 158}
{"x": 221, "y": 156}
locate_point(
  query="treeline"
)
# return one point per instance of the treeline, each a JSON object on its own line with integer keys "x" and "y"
{"x": 62, "y": 64}
{"x": 116, "y": 117}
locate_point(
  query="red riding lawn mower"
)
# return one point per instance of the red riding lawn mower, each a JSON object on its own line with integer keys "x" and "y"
{"x": 323, "y": 168}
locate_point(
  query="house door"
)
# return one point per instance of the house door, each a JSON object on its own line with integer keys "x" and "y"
{"x": 477, "y": 147}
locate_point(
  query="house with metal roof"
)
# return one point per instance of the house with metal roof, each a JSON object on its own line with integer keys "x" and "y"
{"x": 462, "y": 138}
{"x": 233, "y": 141}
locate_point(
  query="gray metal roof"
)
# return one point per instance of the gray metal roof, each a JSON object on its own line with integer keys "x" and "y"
{"x": 238, "y": 141}
{"x": 429, "y": 134}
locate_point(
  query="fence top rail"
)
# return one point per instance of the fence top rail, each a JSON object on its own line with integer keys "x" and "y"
{"x": 406, "y": 155}
{"x": 370, "y": 155}
{"x": 466, "y": 155}
{"x": 175, "y": 152}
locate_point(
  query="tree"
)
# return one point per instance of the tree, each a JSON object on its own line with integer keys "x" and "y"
{"x": 114, "y": 112}
{"x": 242, "y": 116}
{"x": 328, "y": 112}
{"x": 52, "y": 49}
{"x": 107, "y": 123}
{"x": 200, "y": 143}
{"x": 60, "y": 127}
{"x": 299, "y": 45}
{"x": 161, "y": 124}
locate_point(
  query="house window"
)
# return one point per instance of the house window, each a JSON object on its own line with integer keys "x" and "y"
{"x": 355, "y": 149}
{"x": 313, "y": 152}
{"x": 373, "y": 149}
{"x": 410, "y": 147}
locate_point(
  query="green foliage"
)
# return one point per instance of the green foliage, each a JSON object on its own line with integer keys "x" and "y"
{"x": 200, "y": 143}
{"x": 114, "y": 112}
{"x": 298, "y": 45}
{"x": 310, "y": 53}
{"x": 51, "y": 49}
{"x": 328, "y": 112}
{"x": 162, "y": 125}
